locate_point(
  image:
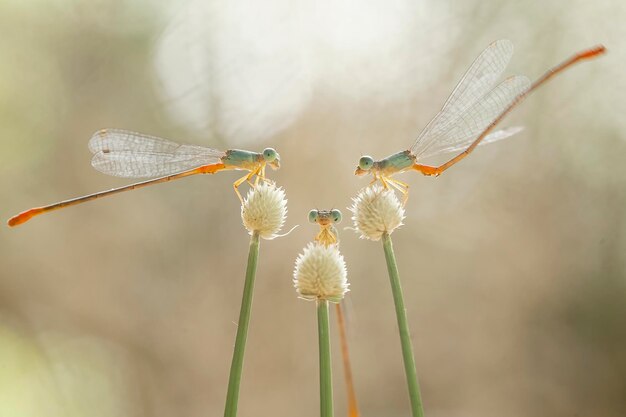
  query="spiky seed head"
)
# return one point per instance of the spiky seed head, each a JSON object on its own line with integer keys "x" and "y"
{"x": 320, "y": 273}
{"x": 264, "y": 210}
{"x": 376, "y": 210}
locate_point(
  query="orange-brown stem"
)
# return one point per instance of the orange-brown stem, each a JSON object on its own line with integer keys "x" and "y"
{"x": 353, "y": 409}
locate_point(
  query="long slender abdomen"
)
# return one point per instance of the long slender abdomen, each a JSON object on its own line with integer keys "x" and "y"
{"x": 24, "y": 216}
{"x": 29, "y": 214}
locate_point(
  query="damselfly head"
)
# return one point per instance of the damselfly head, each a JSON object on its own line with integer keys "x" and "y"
{"x": 271, "y": 157}
{"x": 365, "y": 165}
{"x": 325, "y": 217}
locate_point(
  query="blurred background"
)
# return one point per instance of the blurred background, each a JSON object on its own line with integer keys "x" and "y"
{"x": 513, "y": 262}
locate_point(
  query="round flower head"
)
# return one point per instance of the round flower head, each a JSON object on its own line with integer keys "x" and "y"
{"x": 376, "y": 210}
{"x": 320, "y": 273}
{"x": 264, "y": 210}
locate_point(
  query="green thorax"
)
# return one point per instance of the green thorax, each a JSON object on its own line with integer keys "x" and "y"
{"x": 238, "y": 158}
{"x": 395, "y": 163}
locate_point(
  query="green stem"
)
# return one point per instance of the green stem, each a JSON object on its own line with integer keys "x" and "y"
{"x": 326, "y": 378}
{"x": 405, "y": 337}
{"x": 232, "y": 398}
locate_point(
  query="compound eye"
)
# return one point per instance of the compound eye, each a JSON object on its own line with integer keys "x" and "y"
{"x": 269, "y": 154}
{"x": 335, "y": 215}
{"x": 366, "y": 163}
{"x": 313, "y": 216}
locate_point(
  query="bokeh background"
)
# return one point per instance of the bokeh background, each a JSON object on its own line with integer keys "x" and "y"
{"x": 513, "y": 263}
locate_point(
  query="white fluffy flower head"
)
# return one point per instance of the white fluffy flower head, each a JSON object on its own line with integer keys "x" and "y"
{"x": 376, "y": 210}
{"x": 264, "y": 210}
{"x": 320, "y": 273}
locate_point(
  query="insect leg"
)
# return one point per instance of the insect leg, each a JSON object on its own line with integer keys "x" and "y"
{"x": 402, "y": 187}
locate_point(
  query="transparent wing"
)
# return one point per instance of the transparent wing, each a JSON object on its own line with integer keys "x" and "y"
{"x": 475, "y": 83}
{"x": 133, "y": 155}
{"x": 462, "y": 145}
{"x": 462, "y": 130}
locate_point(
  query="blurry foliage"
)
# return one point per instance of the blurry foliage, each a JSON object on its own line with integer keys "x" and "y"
{"x": 51, "y": 375}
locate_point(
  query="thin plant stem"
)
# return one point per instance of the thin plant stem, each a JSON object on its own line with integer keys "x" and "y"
{"x": 403, "y": 327}
{"x": 353, "y": 409}
{"x": 326, "y": 379}
{"x": 232, "y": 397}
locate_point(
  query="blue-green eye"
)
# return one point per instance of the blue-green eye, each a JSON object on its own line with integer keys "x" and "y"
{"x": 269, "y": 154}
{"x": 313, "y": 215}
{"x": 335, "y": 215}
{"x": 366, "y": 163}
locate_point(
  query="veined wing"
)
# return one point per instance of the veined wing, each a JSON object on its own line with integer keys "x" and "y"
{"x": 133, "y": 155}
{"x": 462, "y": 130}
{"x": 475, "y": 83}
{"x": 464, "y": 144}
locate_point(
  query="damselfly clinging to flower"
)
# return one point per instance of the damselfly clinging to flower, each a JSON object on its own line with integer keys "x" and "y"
{"x": 133, "y": 155}
{"x": 468, "y": 117}
{"x": 327, "y": 236}
{"x": 326, "y": 219}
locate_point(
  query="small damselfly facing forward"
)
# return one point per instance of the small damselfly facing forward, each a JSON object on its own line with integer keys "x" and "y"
{"x": 468, "y": 117}
{"x": 326, "y": 219}
{"x": 133, "y": 155}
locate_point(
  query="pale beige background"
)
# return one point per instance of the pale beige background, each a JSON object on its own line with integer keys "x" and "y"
{"x": 512, "y": 263}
